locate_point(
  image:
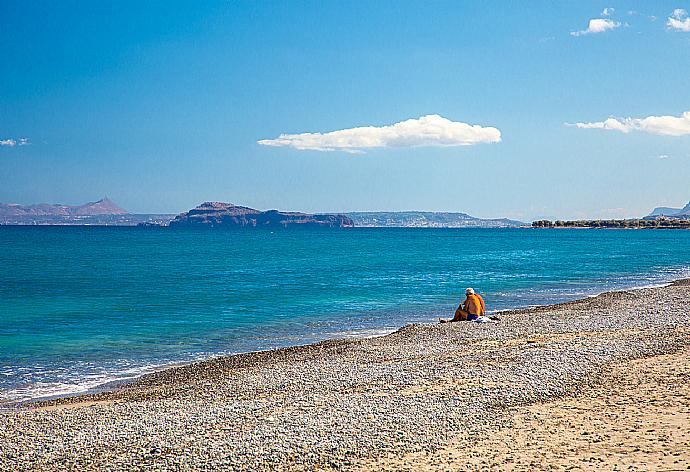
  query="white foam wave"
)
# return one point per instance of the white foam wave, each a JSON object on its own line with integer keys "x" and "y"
{"x": 46, "y": 390}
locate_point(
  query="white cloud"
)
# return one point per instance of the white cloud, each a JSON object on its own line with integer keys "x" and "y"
{"x": 597, "y": 25}
{"x": 608, "y": 11}
{"x": 13, "y": 142}
{"x": 426, "y": 131}
{"x": 660, "y": 125}
{"x": 679, "y": 20}
{"x": 610, "y": 123}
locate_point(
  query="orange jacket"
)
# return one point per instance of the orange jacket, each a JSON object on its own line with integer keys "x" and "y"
{"x": 474, "y": 305}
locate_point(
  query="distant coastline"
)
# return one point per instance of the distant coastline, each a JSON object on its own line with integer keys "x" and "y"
{"x": 657, "y": 223}
{"x": 105, "y": 212}
{"x": 427, "y": 219}
{"x": 128, "y": 220}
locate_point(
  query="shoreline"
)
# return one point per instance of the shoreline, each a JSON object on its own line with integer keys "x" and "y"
{"x": 343, "y": 404}
{"x": 115, "y": 383}
{"x": 111, "y": 385}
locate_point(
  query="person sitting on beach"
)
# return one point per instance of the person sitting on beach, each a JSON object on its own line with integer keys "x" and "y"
{"x": 472, "y": 308}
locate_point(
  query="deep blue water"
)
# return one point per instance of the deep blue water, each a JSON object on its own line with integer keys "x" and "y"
{"x": 82, "y": 305}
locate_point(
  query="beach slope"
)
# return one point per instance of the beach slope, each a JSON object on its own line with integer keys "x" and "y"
{"x": 550, "y": 387}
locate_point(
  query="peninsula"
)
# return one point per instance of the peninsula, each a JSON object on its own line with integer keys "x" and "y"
{"x": 227, "y": 215}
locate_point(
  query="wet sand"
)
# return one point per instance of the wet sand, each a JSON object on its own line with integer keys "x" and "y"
{"x": 600, "y": 383}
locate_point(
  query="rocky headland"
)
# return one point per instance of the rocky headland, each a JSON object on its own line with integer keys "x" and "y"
{"x": 227, "y": 215}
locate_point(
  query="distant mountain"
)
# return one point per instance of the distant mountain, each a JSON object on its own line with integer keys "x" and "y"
{"x": 103, "y": 206}
{"x": 667, "y": 212}
{"x": 685, "y": 211}
{"x": 227, "y": 215}
{"x": 103, "y": 212}
{"x": 427, "y": 219}
{"x": 664, "y": 211}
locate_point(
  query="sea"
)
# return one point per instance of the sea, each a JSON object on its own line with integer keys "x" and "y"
{"x": 82, "y": 307}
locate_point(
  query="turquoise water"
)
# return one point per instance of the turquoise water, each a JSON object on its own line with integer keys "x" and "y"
{"x": 80, "y": 306}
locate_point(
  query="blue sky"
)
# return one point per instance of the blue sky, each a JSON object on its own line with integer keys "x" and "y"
{"x": 161, "y": 105}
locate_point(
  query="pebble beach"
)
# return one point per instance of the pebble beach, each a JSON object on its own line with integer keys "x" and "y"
{"x": 428, "y": 396}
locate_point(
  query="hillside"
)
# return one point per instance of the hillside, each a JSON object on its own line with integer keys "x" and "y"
{"x": 103, "y": 206}
{"x": 103, "y": 212}
{"x": 659, "y": 212}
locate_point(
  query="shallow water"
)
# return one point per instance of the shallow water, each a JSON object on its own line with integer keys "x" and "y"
{"x": 80, "y": 306}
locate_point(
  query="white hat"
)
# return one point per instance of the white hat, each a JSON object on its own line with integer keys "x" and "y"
{"x": 469, "y": 291}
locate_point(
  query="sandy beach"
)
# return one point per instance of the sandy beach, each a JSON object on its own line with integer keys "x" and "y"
{"x": 600, "y": 383}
